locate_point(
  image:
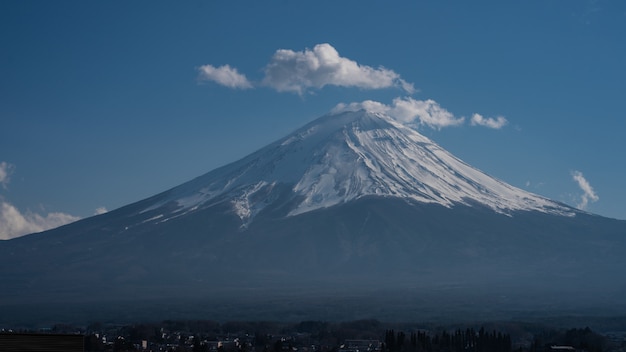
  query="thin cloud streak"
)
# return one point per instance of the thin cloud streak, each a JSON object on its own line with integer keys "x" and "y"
{"x": 6, "y": 170}
{"x": 589, "y": 195}
{"x": 497, "y": 123}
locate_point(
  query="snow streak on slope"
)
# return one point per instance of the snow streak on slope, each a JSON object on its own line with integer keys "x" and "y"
{"x": 343, "y": 157}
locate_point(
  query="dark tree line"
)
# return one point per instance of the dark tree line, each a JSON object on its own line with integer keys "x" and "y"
{"x": 328, "y": 336}
{"x": 467, "y": 341}
{"x": 581, "y": 339}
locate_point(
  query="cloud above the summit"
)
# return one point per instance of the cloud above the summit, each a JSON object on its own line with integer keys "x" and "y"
{"x": 303, "y": 71}
{"x": 411, "y": 111}
{"x": 408, "y": 111}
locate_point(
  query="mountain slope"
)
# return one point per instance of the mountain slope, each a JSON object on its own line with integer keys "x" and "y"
{"x": 349, "y": 203}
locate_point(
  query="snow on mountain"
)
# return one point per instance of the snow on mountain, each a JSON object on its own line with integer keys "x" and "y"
{"x": 347, "y": 156}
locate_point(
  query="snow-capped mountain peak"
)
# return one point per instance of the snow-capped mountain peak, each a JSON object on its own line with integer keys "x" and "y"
{"x": 343, "y": 157}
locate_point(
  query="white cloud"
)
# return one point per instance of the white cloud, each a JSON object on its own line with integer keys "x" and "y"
{"x": 497, "y": 123}
{"x": 589, "y": 195}
{"x": 369, "y": 105}
{"x": 14, "y": 223}
{"x": 408, "y": 111}
{"x": 297, "y": 71}
{"x": 224, "y": 75}
{"x": 6, "y": 170}
{"x": 100, "y": 210}
{"x": 301, "y": 71}
{"x": 428, "y": 112}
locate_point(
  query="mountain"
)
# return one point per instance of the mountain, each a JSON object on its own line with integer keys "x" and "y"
{"x": 353, "y": 215}
{"x": 340, "y": 158}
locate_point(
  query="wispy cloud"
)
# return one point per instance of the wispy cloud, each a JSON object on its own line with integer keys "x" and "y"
{"x": 224, "y": 75}
{"x": 497, "y": 123}
{"x": 589, "y": 195}
{"x": 301, "y": 71}
{"x": 100, "y": 210}
{"x": 427, "y": 112}
{"x": 6, "y": 170}
{"x": 408, "y": 111}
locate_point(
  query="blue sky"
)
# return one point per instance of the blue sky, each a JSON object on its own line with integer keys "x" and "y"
{"x": 106, "y": 103}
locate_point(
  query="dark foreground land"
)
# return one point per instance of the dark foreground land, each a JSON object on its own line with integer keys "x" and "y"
{"x": 321, "y": 336}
